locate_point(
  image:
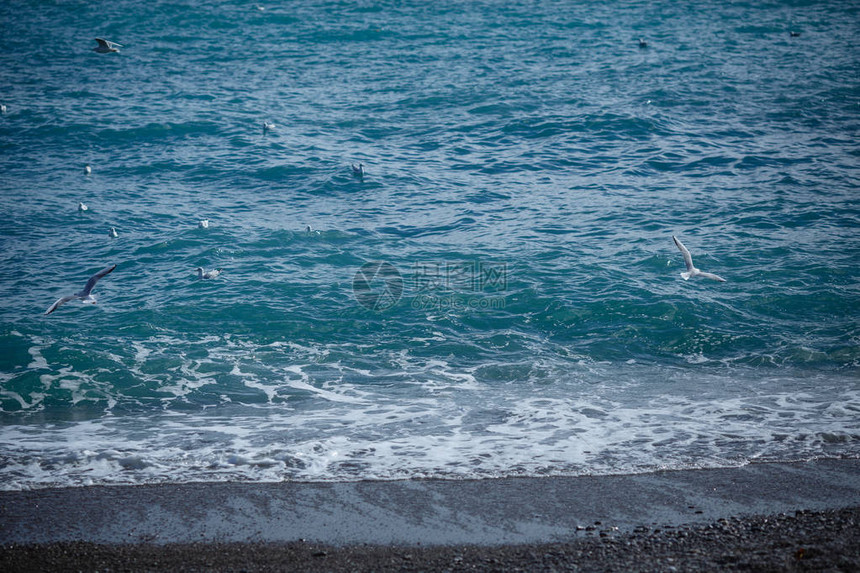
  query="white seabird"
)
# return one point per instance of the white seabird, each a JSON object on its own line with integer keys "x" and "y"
{"x": 643, "y": 43}
{"x": 201, "y": 274}
{"x": 691, "y": 270}
{"x": 112, "y": 233}
{"x": 88, "y": 170}
{"x": 82, "y": 207}
{"x": 106, "y": 46}
{"x": 358, "y": 170}
{"x": 84, "y": 295}
{"x": 204, "y": 224}
{"x": 268, "y": 126}
{"x": 3, "y": 108}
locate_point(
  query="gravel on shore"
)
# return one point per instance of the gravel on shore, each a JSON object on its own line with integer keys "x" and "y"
{"x": 802, "y": 541}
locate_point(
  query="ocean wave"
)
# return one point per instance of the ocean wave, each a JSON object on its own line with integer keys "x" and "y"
{"x": 526, "y": 169}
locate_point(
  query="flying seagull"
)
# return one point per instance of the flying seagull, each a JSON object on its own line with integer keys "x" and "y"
{"x": 691, "y": 270}
{"x": 84, "y": 295}
{"x": 203, "y": 224}
{"x": 106, "y": 46}
{"x": 201, "y": 274}
{"x": 358, "y": 170}
{"x": 82, "y": 207}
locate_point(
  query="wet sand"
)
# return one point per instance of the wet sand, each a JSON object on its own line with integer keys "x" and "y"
{"x": 807, "y": 541}
{"x": 801, "y": 516}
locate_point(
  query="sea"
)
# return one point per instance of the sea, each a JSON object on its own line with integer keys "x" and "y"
{"x": 497, "y": 295}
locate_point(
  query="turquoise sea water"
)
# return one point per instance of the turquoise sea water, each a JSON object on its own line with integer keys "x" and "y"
{"x": 499, "y": 295}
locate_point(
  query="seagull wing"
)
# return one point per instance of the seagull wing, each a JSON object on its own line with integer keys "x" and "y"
{"x": 711, "y": 276}
{"x": 107, "y": 46}
{"x": 94, "y": 279}
{"x": 688, "y": 259}
{"x": 60, "y": 301}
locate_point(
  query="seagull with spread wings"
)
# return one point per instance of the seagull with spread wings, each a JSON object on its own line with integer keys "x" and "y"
{"x": 692, "y": 271}
{"x": 85, "y": 295}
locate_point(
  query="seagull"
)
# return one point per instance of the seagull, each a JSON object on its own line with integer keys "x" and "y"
{"x": 87, "y": 170}
{"x": 82, "y": 207}
{"x": 794, "y": 34}
{"x": 643, "y": 43}
{"x": 106, "y": 46}
{"x": 201, "y": 274}
{"x": 3, "y": 108}
{"x": 112, "y": 233}
{"x": 358, "y": 170}
{"x": 204, "y": 224}
{"x": 268, "y": 126}
{"x": 691, "y": 270}
{"x": 84, "y": 295}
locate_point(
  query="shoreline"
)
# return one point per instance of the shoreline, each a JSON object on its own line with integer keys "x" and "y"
{"x": 427, "y": 512}
{"x": 805, "y": 541}
{"x": 695, "y": 518}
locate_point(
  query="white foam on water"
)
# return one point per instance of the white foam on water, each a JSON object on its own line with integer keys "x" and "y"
{"x": 482, "y": 436}
{"x": 400, "y": 415}
{"x": 22, "y": 403}
{"x": 141, "y": 352}
{"x": 35, "y": 352}
{"x": 303, "y": 384}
